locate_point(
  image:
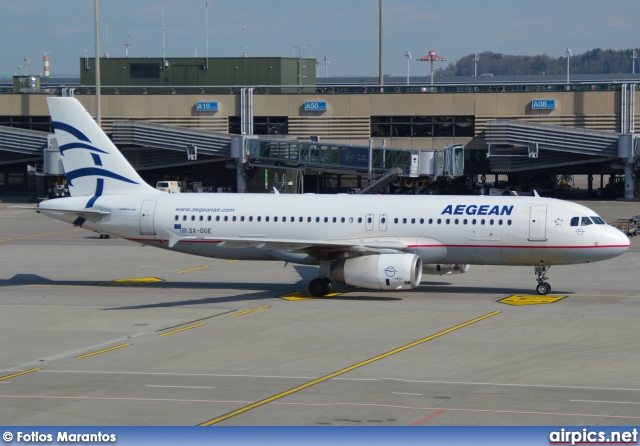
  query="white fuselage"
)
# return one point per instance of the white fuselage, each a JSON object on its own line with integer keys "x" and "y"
{"x": 440, "y": 229}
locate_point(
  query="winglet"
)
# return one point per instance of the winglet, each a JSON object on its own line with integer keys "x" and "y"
{"x": 535, "y": 194}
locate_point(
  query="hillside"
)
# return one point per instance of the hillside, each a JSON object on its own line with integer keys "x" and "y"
{"x": 596, "y": 61}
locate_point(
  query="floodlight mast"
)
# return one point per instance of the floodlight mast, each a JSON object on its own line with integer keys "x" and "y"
{"x": 569, "y": 54}
{"x": 407, "y": 56}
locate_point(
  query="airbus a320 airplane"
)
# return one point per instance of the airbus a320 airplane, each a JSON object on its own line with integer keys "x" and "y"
{"x": 375, "y": 241}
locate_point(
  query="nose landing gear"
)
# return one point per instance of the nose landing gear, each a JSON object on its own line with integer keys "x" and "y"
{"x": 543, "y": 287}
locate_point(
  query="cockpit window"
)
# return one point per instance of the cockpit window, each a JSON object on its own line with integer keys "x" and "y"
{"x": 586, "y": 221}
{"x": 575, "y": 221}
{"x": 597, "y": 220}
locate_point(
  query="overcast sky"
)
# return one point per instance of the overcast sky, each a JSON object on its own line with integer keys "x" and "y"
{"x": 344, "y": 30}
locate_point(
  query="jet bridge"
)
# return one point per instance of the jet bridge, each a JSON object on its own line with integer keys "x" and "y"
{"x": 515, "y": 146}
{"x": 334, "y": 157}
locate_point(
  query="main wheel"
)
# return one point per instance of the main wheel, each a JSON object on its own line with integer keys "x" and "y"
{"x": 543, "y": 288}
{"x": 329, "y": 286}
{"x": 318, "y": 288}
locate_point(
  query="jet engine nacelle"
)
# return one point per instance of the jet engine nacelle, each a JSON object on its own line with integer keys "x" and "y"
{"x": 439, "y": 270}
{"x": 379, "y": 271}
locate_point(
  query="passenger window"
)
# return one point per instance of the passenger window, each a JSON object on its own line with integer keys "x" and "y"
{"x": 308, "y": 219}
{"x": 404, "y": 221}
{"x": 193, "y": 218}
{"x": 509, "y": 222}
{"x": 300, "y": 219}
{"x": 201, "y": 217}
{"x": 383, "y": 220}
{"x": 335, "y": 219}
{"x": 317, "y": 219}
{"x": 275, "y": 219}
{"x": 439, "y": 221}
{"x": 326, "y": 219}
{"x": 456, "y": 221}
{"x": 422, "y": 221}
{"x": 342, "y": 220}
{"x": 218, "y": 218}
{"x": 209, "y": 218}
{"x": 360, "y": 220}
{"x": 448, "y": 220}
{"x": 575, "y": 221}
{"x": 482, "y": 221}
{"x": 586, "y": 221}
{"x": 395, "y": 220}
{"x": 431, "y": 221}
{"x": 259, "y": 218}
{"x": 234, "y": 218}
{"x": 242, "y": 218}
{"x": 464, "y": 221}
{"x": 491, "y": 221}
{"x": 350, "y": 219}
{"x": 413, "y": 221}
{"x": 500, "y": 222}
{"x": 473, "y": 222}
{"x": 226, "y": 218}
{"x": 176, "y": 218}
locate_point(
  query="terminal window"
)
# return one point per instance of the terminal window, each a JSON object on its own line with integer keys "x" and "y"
{"x": 422, "y": 126}
{"x": 144, "y": 71}
{"x": 262, "y": 125}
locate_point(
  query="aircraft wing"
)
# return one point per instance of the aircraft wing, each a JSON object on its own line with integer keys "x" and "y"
{"x": 298, "y": 245}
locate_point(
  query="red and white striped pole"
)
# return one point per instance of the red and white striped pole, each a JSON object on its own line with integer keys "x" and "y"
{"x": 46, "y": 66}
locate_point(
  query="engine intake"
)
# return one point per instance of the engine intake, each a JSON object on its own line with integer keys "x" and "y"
{"x": 379, "y": 271}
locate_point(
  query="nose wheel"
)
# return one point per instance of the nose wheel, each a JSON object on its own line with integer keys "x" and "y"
{"x": 543, "y": 287}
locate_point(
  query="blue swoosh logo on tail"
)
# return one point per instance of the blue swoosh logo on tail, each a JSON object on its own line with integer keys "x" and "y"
{"x": 95, "y": 171}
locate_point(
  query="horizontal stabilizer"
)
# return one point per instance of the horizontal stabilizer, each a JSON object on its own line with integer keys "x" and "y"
{"x": 99, "y": 212}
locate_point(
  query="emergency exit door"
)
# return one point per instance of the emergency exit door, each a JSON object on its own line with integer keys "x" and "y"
{"x": 146, "y": 217}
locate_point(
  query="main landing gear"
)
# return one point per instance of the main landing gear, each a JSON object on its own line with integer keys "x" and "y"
{"x": 543, "y": 287}
{"x": 321, "y": 286}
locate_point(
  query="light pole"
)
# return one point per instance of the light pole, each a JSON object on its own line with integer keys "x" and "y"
{"x": 407, "y": 55}
{"x": 634, "y": 56}
{"x": 381, "y": 42}
{"x": 569, "y": 54}
{"x": 476, "y": 59}
{"x": 326, "y": 64}
{"x": 97, "y": 65}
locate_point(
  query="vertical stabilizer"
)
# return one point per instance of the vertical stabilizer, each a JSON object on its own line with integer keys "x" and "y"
{"x": 93, "y": 164}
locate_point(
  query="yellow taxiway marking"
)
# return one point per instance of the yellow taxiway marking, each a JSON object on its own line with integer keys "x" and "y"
{"x": 13, "y": 375}
{"x": 103, "y": 351}
{"x": 132, "y": 281}
{"x": 183, "y": 329}
{"x": 250, "y": 311}
{"x": 233, "y": 261}
{"x": 518, "y": 300}
{"x": 39, "y": 235}
{"x": 345, "y": 370}
{"x": 192, "y": 269}
{"x": 304, "y": 295}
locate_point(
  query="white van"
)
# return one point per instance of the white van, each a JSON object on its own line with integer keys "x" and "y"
{"x": 173, "y": 187}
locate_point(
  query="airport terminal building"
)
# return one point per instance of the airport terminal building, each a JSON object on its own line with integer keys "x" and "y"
{"x": 177, "y": 118}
